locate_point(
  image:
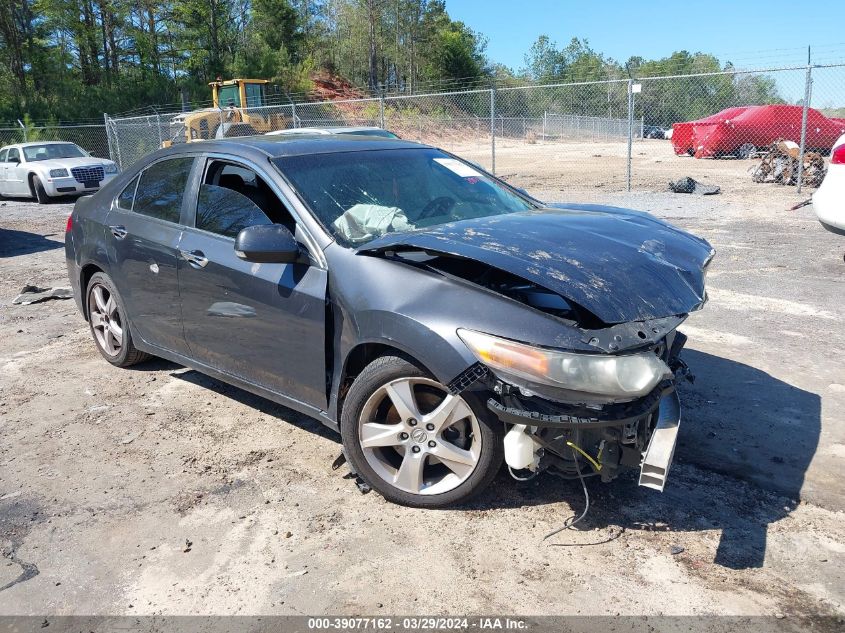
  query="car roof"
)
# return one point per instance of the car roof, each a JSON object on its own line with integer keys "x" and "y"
{"x": 336, "y": 129}
{"x": 300, "y": 144}
{"x": 34, "y": 143}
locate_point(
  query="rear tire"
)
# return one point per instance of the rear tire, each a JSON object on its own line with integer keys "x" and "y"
{"x": 109, "y": 325}
{"x": 37, "y": 188}
{"x": 408, "y": 453}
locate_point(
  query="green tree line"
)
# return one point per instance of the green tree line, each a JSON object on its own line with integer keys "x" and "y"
{"x": 74, "y": 59}
{"x": 71, "y": 60}
{"x": 704, "y": 87}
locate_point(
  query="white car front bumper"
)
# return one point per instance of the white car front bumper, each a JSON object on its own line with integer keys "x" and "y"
{"x": 69, "y": 186}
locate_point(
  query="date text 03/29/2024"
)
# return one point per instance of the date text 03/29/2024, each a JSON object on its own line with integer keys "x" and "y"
{"x": 417, "y": 624}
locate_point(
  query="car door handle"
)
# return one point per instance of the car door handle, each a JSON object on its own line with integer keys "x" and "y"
{"x": 118, "y": 231}
{"x": 197, "y": 259}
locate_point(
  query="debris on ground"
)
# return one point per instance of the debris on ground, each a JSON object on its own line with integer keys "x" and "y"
{"x": 806, "y": 202}
{"x": 779, "y": 164}
{"x": 129, "y": 438}
{"x": 33, "y": 294}
{"x": 690, "y": 185}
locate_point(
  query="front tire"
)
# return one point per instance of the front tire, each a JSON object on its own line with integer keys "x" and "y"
{"x": 39, "y": 191}
{"x": 413, "y": 441}
{"x": 109, "y": 325}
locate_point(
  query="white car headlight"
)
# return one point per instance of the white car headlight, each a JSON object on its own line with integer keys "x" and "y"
{"x": 58, "y": 173}
{"x": 624, "y": 375}
{"x": 110, "y": 168}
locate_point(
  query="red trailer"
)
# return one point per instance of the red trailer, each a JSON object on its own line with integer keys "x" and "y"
{"x": 739, "y": 131}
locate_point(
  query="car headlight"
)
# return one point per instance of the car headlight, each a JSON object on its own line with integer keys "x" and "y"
{"x": 629, "y": 375}
{"x": 58, "y": 173}
{"x": 110, "y": 168}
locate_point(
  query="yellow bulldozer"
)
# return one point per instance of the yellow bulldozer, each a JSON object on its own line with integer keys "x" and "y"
{"x": 240, "y": 109}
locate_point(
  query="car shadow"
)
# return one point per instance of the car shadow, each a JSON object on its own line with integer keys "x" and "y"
{"x": 259, "y": 403}
{"x": 745, "y": 443}
{"x": 14, "y": 243}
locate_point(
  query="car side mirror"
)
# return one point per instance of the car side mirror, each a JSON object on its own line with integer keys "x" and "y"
{"x": 267, "y": 244}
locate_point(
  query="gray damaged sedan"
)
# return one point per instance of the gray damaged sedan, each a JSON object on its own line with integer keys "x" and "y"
{"x": 440, "y": 320}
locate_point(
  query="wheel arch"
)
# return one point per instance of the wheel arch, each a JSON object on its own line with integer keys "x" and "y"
{"x": 362, "y": 355}
{"x": 86, "y": 272}
{"x": 414, "y": 342}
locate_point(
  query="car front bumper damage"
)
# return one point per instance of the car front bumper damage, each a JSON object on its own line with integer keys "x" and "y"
{"x": 602, "y": 440}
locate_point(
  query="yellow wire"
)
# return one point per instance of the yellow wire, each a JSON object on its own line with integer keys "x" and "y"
{"x": 595, "y": 464}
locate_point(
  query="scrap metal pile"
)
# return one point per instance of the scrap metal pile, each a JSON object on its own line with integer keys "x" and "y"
{"x": 780, "y": 164}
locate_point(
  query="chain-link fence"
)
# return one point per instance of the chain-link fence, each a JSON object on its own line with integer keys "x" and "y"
{"x": 90, "y": 137}
{"x": 611, "y": 135}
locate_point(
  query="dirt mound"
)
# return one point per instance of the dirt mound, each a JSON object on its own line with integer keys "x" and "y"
{"x": 329, "y": 87}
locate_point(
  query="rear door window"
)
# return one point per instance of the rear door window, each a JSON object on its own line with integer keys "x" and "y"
{"x": 3, "y": 155}
{"x": 161, "y": 189}
{"x": 124, "y": 200}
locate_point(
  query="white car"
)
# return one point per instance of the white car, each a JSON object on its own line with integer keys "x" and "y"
{"x": 357, "y": 131}
{"x": 46, "y": 169}
{"x": 829, "y": 200}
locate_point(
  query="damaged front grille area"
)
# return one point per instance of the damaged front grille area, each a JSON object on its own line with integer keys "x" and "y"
{"x": 536, "y": 411}
{"x": 574, "y": 438}
{"x": 608, "y": 441}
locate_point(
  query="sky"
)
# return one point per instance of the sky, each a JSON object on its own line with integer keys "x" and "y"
{"x": 750, "y": 33}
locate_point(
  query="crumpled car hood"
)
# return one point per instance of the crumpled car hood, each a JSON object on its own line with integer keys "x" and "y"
{"x": 621, "y": 265}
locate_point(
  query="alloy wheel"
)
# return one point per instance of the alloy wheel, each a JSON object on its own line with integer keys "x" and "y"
{"x": 418, "y": 437}
{"x": 106, "y": 321}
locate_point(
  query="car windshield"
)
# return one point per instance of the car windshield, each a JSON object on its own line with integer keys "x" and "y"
{"x": 49, "y": 151}
{"x": 362, "y": 195}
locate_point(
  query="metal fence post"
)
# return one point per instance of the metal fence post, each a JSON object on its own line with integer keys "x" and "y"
{"x": 108, "y": 136}
{"x": 158, "y": 125}
{"x": 493, "y": 128}
{"x": 808, "y": 90}
{"x": 630, "y": 129}
{"x": 381, "y": 110}
{"x": 23, "y": 128}
{"x": 544, "y": 125}
{"x": 116, "y": 144}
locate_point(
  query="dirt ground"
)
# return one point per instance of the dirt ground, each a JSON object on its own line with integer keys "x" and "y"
{"x": 596, "y": 167}
{"x": 157, "y": 490}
